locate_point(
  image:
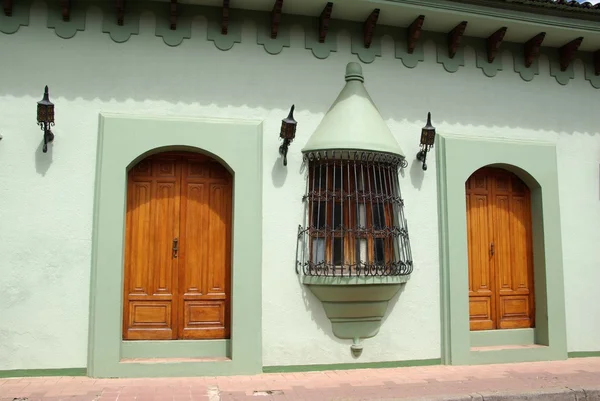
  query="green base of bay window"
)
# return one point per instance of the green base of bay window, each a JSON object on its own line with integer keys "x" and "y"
{"x": 457, "y": 157}
{"x": 355, "y": 305}
{"x": 176, "y": 349}
{"x": 123, "y": 141}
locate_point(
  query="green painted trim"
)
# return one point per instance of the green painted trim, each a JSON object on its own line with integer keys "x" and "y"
{"x": 490, "y": 338}
{"x": 176, "y": 349}
{"x": 63, "y": 29}
{"x": 348, "y": 366}
{"x": 355, "y": 311}
{"x": 457, "y": 157}
{"x": 584, "y": 354}
{"x": 188, "y": 12}
{"x": 122, "y": 141}
{"x": 42, "y": 372}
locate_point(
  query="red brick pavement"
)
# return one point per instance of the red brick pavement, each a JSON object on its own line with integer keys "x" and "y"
{"x": 341, "y": 385}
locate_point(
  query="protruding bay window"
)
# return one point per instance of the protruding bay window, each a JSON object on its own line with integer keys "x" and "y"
{"x": 355, "y": 223}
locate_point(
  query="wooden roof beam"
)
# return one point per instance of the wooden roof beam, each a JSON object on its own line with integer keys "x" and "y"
{"x": 65, "y": 6}
{"x": 120, "y": 4}
{"x": 532, "y": 48}
{"x": 454, "y": 37}
{"x": 414, "y": 33}
{"x": 324, "y": 22}
{"x": 173, "y": 15}
{"x": 369, "y": 27}
{"x": 276, "y": 18}
{"x": 8, "y": 6}
{"x": 597, "y": 62}
{"x": 567, "y": 52}
{"x": 225, "y": 17}
{"x": 493, "y": 43}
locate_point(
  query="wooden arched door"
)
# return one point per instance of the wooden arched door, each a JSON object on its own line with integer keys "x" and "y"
{"x": 500, "y": 251}
{"x": 178, "y": 249}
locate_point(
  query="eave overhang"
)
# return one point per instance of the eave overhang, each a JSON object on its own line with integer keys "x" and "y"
{"x": 522, "y": 18}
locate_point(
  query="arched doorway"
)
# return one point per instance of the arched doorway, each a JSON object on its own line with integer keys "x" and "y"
{"x": 178, "y": 248}
{"x": 499, "y": 235}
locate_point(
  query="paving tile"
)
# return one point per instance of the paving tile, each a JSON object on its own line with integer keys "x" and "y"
{"x": 347, "y": 385}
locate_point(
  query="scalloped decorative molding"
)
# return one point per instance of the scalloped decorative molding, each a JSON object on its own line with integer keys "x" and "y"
{"x": 19, "y": 18}
{"x": 187, "y": 12}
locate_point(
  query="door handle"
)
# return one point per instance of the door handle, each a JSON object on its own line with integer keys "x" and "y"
{"x": 175, "y": 247}
{"x": 492, "y": 250}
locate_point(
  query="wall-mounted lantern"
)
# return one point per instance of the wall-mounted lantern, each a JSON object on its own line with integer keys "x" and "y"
{"x": 427, "y": 140}
{"x": 288, "y": 133}
{"x": 45, "y": 118}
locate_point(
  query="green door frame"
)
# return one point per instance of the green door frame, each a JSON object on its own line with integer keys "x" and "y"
{"x": 124, "y": 140}
{"x": 457, "y": 157}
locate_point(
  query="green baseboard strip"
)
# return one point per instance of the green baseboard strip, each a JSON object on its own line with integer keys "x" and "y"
{"x": 347, "y": 366}
{"x": 43, "y": 372}
{"x": 584, "y": 354}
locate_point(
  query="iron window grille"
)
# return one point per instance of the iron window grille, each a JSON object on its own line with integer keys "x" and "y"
{"x": 354, "y": 216}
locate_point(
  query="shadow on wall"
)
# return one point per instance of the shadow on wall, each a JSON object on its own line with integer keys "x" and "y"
{"x": 92, "y": 67}
{"x": 43, "y": 160}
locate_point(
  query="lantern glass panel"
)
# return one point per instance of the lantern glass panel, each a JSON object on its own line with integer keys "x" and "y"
{"x": 41, "y": 111}
{"x": 50, "y": 114}
{"x": 287, "y": 131}
{"x": 430, "y": 138}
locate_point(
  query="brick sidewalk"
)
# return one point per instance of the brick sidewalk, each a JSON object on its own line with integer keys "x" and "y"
{"x": 430, "y": 382}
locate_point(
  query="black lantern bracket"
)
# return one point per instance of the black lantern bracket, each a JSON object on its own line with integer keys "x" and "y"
{"x": 427, "y": 141}
{"x": 45, "y": 118}
{"x": 287, "y": 133}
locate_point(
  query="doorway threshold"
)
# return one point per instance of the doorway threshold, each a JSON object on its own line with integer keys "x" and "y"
{"x": 173, "y": 360}
{"x": 503, "y": 347}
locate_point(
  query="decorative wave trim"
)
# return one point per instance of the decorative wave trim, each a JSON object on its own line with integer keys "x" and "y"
{"x": 451, "y": 62}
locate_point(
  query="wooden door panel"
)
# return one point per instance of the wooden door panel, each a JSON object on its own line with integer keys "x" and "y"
{"x": 218, "y": 239}
{"x": 164, "y": 234}
{"x": 139, "y": 216}
{"x": 194, "y": 245}
{"x": 480, "y": 313}
{"x": 512, "y": 216}
{"x": 519, "y": 242}
{"x": 206, "y": 260}
{"x": 514, "y": 312}
{"x": 205, "y": 319}
{"x": 481, "y": 293}
{"x": 502, "y": 245}
{"x": 152, "y": 211}
{"x": 150, "y": 320}
{"x": 479, "y": 243}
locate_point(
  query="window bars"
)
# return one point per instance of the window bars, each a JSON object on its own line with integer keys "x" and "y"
{"x": 354, "y": 216}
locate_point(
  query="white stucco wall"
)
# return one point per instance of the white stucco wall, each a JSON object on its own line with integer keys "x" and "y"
{"x": 46, "y": 200}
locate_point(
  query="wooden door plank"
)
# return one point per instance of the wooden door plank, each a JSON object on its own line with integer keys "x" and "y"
{"x": 206, "y": 250}
{"x": 152, "y": 207}
{"x": 513, "y": 235}
{"x": 481, "y": 305}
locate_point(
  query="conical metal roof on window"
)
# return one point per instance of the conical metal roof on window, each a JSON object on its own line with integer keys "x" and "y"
{"x": 353, "y": 121}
